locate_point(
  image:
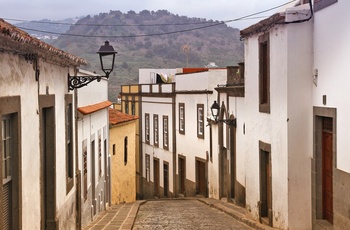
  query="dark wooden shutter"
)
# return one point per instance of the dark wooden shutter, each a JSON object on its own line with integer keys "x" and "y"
{"x": 7, "y": 215}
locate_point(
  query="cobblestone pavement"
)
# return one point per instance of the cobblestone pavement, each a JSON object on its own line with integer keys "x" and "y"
{"x": 183, "y": 214}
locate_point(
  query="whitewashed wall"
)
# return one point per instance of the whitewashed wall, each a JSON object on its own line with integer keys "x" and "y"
{"x": 190, "y": 145}
{"x": 288, "y": 128}
{"x": 332, "y": 52}
{"x": 160, "y": 106}
{"x": 17, "y": 78}
{"x": 91, "y": 125}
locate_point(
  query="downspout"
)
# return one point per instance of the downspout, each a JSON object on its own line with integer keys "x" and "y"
{"x": 140, "y": 141}
{"x": 175, "y": 191}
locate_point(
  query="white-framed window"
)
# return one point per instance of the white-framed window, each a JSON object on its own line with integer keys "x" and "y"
{"x": 147, "y": 128}
{"x": 182, "y": 118}
{"x": 200, "y": 120}
{"x": 165, "y": 133}
{"x": 155, "y": 130}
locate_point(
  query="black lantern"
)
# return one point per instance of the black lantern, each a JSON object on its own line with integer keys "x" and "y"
{"x": 215, "y": 111}
{"x": 107, "y": 58}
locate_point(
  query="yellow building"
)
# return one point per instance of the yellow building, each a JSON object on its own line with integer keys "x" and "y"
{"x": 122, "y": 131}
{"x": 129, "y": 104}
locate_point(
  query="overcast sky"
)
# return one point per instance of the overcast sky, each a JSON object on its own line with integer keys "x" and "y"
{"x": 208, "y": 9}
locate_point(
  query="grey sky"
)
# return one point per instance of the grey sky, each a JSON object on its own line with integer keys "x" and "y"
{"x": 208, "y": 9}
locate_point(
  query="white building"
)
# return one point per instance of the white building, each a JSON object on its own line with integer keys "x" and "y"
{"x": 197, "y": 159}
{"x": 175, "y": 140}
{"x": 228, "y": 135}
{"x": 157, "y": 109}
{"x": 277, "y": 141}
{"x": 330, "y": 159}
{"x": 295, "y": 143}
{"x": 37, "y": 138}
{"x": 93, "y": 147}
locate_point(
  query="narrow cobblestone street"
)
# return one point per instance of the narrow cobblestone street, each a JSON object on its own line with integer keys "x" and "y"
{"x": 183, "y": 214}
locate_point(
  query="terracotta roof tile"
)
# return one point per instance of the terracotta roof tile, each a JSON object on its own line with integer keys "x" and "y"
{"x": 117, "y": 117}
{"x": 95, "y": 107}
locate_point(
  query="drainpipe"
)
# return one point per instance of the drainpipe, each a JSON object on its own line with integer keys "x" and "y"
{"x": 175, "y": 191}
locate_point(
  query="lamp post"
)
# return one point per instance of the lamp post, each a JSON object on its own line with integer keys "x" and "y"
{"x": 215, "y": 111}
{"x": 107, "y": 58}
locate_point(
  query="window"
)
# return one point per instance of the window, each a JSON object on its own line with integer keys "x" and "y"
{"x": 6, "y": 149}
{"x": 69, "y": 142}
{"x": 125, "y": 150}
{"x": 155, "y": 130}
{"x": 10, "y": 168}
{"x": 165, "y": 133}
{"x": 85, "y": 170}
{"x": 99, "y": 155}
{"x": 113, "y": 149}
{"x": 320, "y": 4}
{"x": 133, "y": 108}
{"x": 147, "y": 167}
{"x": 147, "y": 128}
{"x": 200, "y": 121}
{"x": 264, "y": 73}
{"x": 126, "y": 107}
{"x": 182, "y": 118}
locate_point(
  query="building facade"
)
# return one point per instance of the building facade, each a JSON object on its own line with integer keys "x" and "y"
{"x": 197, "y": 167}
{"x": 38, "y": 190}
{"x": 93, "y": 159}
{"x": 278, "y": 122}
{"x": 123, "y": 140}
{"x": 330, "y": 158}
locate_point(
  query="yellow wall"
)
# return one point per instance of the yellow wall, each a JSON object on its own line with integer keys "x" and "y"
{"x": 123, "y": 177}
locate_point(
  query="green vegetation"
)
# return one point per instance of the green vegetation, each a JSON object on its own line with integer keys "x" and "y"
{"x": 220, "y": 44}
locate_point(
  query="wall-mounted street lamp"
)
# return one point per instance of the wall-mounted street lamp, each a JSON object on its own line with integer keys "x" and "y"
{"x": 215, "y": 111}
{"x": 107, "y": 57}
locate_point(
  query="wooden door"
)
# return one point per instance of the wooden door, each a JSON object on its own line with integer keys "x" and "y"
{"x": 182, "y": 175}
{"x": 265, "y": 186}
{"x": 166, "y": 179}
{"x": 201, "y": 179}
{"x": 327, "y": 170}
{"x": 156, "y": 177}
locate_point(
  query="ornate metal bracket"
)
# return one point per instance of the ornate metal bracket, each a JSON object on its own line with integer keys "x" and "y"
{"x": 75, "y": 82}
{"x": 230, "y": 122}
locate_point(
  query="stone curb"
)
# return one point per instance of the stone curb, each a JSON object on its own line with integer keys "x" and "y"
{"x": 236, "y": 215}
{"x": 131, "y": 217}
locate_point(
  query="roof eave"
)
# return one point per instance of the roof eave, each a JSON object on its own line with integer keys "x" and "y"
{"x": 263, "y": 25}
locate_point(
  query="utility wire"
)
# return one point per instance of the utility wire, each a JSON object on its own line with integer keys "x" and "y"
{"x": 110, "y": 25}
{"x": 154, "y": 34}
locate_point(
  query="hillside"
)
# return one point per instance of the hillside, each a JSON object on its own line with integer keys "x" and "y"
{"x": 220, "y": 44}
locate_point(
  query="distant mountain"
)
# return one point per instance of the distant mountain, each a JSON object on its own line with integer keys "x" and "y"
{"x": 192, "y": 47}
{"x": 34, "y": 28}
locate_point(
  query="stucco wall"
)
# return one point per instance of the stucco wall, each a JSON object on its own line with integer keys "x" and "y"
{"x": 331, "y": 59}
{"x": 300, "y": 124}
{"x": 18, "y": 78}
{"x": 123, "y": 176}
{"x": 162, "y": 106}
{"x": 287, "y": 128}
{"x": 188, "y": 144}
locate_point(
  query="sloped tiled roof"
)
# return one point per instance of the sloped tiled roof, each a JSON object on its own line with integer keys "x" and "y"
{"x": 117, "y": 117}
{"x": 94, "y": 108}
{"x": 15, "y": 39}
{"x": 263, "y": 25}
